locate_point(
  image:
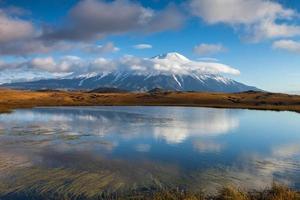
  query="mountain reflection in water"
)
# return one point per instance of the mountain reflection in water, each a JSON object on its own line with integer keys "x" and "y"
{"x": 119, "y": 148}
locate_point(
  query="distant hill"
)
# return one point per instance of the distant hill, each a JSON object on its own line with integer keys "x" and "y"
{"x": 156, "y": 90}
{"x": 107, "y": 90}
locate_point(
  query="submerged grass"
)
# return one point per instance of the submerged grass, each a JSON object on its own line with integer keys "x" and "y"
{"x": 36, "y": 183}
{"x": 99, "y": 178}
{"x": 276, "y": 192}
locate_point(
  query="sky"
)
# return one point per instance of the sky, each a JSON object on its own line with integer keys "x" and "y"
{"x": 256, "y": 42}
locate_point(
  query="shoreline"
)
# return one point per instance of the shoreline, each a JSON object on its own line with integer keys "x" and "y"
{"x": 275, "y": 192}
{"x": 15, "y": 99}
{"x": 18, "y": 99}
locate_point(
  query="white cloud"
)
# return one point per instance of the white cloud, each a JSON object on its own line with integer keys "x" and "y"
{"x": 94, "y": 19}
{"x": 22, "y": 75}
{"x": 22, "y": 37}
{"x": 268, "y": 29}
{"x": 34, "y": 46}
{"x": 101, "y": 49}
{"x": 47, "y": 63}
{"x": 13, "y": 29}
{"x": 258, "y": 19}
{"x": 174, "y": 63}
{"x": 238, "y": 11}
{"x": 142, "y": 46}
{"x": 208, "y": 49}
{"x": 171, "y": 63}
{"x": 87, "y": 21}
{"x": 63, "y": 65}
{"x": 288, "y": 45}
{"x": 102, "y": 65}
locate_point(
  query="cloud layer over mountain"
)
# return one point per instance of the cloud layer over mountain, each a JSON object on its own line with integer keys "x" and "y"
{"x": 171, "y": 63}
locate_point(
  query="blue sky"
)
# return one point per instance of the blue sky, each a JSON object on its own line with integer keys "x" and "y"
{"x": 260, "y": 38}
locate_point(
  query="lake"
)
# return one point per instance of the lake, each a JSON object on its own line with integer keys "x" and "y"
{"x": 86, "y": 150}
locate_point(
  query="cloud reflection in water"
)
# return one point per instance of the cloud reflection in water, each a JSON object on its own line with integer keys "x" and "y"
{"x": 194, "y": 144}
{"x": 174, "y": 126}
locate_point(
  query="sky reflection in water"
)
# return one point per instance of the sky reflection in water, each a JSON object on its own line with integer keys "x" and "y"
{"x": 196, "y": 147}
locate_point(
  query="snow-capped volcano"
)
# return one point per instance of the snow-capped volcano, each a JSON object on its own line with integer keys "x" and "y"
{"x": 171, "y": 71}
{"x": 172, "y": 56}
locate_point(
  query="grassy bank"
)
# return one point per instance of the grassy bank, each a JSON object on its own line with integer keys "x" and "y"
{"x": 12, "y": 99}
{"x": 276, "y": 192}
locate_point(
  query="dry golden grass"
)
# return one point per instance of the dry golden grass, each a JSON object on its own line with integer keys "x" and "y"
{"x": 11, "y": 99}
{"x": 230, "y": 193}
{"x": 276, "y": 192}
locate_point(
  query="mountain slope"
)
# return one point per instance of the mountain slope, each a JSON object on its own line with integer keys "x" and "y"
{"x": 180, "y": 77}
{"x": 135, "y": 82}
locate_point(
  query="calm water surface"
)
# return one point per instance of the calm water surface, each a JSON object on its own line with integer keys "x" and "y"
{"x": 89, "y": 149}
